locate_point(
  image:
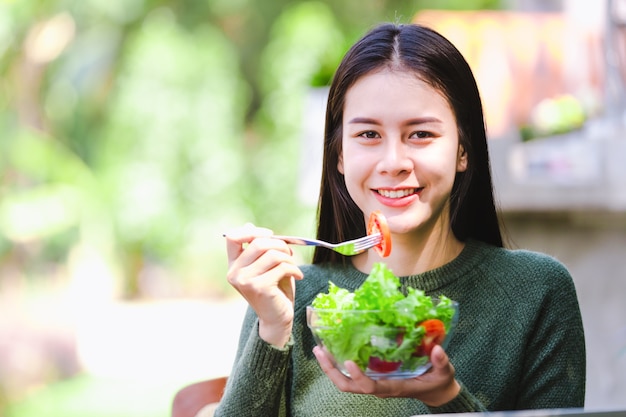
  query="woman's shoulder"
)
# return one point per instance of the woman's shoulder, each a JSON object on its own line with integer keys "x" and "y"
{"x": 523, "y": 271}
{"x": 526, "y": 260}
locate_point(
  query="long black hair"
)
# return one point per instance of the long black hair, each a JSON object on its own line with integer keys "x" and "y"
{"x": 433, "y": 59}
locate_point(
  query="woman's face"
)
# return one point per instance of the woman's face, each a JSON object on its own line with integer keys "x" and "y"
{"x": 400, "y": 150}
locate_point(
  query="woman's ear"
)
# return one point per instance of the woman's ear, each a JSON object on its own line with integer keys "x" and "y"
{"x": 461, "y": 160}
{"x": 340, "y": 164}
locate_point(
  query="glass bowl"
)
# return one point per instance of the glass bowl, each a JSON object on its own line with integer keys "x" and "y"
{"x": 382, "y": 350}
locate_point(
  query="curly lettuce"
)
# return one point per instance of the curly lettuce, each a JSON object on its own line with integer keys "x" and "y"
{"x": 383, "y": 309}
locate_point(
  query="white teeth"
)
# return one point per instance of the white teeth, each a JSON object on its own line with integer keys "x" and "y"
{"x": 396, "y": 193}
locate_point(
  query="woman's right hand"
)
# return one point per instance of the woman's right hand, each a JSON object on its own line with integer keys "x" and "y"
{"x": 264, "y": 271}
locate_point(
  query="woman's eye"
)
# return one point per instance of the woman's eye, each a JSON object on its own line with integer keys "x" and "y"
{"x": 370, "y": 134}
{"x": 421, "y": 135}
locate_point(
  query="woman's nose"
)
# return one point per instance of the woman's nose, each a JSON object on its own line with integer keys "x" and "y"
{"x": 395, "y": 159}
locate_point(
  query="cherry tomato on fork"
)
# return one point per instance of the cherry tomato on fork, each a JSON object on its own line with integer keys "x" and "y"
{"x": 378, "y": 224}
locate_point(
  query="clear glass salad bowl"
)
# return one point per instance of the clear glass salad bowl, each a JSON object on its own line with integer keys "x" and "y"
{"x": 378, "y": 344}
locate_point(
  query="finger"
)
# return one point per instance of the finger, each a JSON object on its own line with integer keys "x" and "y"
{"x": 259, "y": 260}
{"x": 236, "y": 238}
{"x": 261, "y": 256}
{"x": 324, "y": 360}
{"x": 361, "y": 383}
{"x": 355, "y": 372}
{"x": 343, "y": 382}
{"x": 334, "y": 374}
{"x": 261, "y": 246}
{"x": 269, "y": 270}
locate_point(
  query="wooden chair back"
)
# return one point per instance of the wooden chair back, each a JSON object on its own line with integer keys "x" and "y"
{"x": 192, "y": 398}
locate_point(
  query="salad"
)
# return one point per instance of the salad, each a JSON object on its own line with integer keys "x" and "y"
{"x": 378, "y": 327}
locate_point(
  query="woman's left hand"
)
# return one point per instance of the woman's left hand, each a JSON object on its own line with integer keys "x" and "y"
{"x": 434, "y": 388}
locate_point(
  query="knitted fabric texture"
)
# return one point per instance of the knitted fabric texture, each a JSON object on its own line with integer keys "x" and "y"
{"x": 518, "y": 344}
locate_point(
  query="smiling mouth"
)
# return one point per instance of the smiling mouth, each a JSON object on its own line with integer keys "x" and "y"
{"x": 398, "y": 193}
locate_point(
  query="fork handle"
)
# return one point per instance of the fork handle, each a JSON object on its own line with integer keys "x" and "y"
{"x": 294, "y": 240}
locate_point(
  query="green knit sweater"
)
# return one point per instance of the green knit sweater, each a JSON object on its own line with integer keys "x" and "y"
{"x": 519, "y": 343}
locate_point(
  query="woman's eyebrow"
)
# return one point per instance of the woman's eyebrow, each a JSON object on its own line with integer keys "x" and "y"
{"x": 363, "y": 120}
{"x": 410, "y": 122}
{"x": 423, "y": 120}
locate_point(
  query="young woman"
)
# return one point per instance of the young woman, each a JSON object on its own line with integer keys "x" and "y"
{"x": 405, "y": 135}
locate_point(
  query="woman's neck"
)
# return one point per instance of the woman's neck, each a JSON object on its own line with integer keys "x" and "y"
{"x": 410, "y": 256}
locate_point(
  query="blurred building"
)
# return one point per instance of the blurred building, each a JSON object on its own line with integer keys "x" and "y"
{"x": 560, "y": 182}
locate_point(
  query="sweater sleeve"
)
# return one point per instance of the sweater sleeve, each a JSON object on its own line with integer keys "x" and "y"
{"x": 555, "y": 367}
{"x": 256, "y": 385}
{"x": 464, "y": 402}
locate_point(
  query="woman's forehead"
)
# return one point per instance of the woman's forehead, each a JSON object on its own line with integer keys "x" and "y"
{"x": 393, "y": 90}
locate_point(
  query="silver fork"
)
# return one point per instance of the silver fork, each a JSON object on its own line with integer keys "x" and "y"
{"x": 347, "y": 248}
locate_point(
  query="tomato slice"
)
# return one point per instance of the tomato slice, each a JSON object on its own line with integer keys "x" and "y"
{"x": 378, "y": 224}
{"x": 379, "y": 365}
{"x": 434, "y": 335}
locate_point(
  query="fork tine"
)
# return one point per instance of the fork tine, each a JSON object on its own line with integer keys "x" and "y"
{"x": 367, "y": 242}
{"x": 370, "y": 239}
{"x": 373, "y": 238}
{"x": 373, "y": 242}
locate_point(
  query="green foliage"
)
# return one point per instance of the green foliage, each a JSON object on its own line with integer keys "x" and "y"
{"x": 162, "y": 124}
{"x": 46, "y": 194}
{"x": 301, "y": 39}
{"x": 171, "y": 136}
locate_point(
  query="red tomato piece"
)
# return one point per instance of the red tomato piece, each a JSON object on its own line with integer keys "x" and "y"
{"x": 434, "y": 335}
{"x": 378, "y": 224}
{"x": 378, "y": 365}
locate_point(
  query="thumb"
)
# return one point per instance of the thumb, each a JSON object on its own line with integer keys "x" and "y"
{"x": 439, "y": 358}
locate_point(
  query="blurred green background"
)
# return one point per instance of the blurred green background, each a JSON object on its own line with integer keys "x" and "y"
{"x": 133, "y": 133}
